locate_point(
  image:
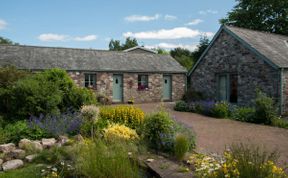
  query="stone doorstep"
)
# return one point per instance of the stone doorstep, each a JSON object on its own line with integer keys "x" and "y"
{"x": 165, "y": 168}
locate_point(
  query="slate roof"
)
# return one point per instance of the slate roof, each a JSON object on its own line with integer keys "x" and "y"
{"x": 39, "y": 58}
{"x": 272, "y": 46}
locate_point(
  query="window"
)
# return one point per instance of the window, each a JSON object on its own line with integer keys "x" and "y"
{"x": 228, "y": 87}
{"x": 90, "y": 81}
{"x": 142, "y": 82}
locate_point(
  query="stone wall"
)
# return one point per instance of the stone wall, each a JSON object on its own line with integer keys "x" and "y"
{"x": 130, "y": 86}
{"x": 227, "y": 55}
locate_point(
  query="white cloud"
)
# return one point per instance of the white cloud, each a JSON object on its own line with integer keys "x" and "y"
{"x": 141, "y": 18}
{"x": 170, "y": 17}
{"x": 208, "y": 11}
{"x": 48, "y": 37}
{"x": 194, "y": 22}
{"x": 172, "y": 46}
{"x": 86, "y": 38}
{"x": 52, "y": 37}
{"x": 3, "y": 24}
{"x": 175, "y": 33}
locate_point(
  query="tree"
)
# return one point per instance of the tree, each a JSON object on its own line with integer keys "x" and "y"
{"x": 183, "y": 56}
{"x": 7, "y": 41}
{"x": 201, "y": 47}
{"x": 115, "y": 45}
{"x": 263, "y": 15}
{"x": 161, "y": 51}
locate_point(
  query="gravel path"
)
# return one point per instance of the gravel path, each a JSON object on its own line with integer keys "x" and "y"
{"x": 213, "y": 135}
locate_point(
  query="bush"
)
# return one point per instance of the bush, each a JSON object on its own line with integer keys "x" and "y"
{"x": 280, "y": 122}
{"x": 128, "y": 115}
{"x": 97, "y": 159}
{"x": 265, "y": 110}
{"x": 191, "y": 96}
{"x": 241, "y": 161}
{"x": 14, "y": 132}
{"x": 202, "y": 107}
{"x": 68, "y": 122}
{"x": 103, "y": 99}
{"x": 220, "y": 110}
{"x": 244, "y": 114}
{"x": 48, "y": 92}
{"x": 181, "y": 146}
{"x": 181, "y": 129}
{"x": 159, "y": 131}
{"x": 181, "y": 106}
{"x": 9, "y": 75}
{"x": 90, "y": 113}
{"x": 121, "y": 132}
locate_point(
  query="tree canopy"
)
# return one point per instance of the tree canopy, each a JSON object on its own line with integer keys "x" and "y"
{"x": 263, "y": 15}
{"x": 187, "y": 58}
{"x": 115, "y": 45}
{"x": 7, "y": 41}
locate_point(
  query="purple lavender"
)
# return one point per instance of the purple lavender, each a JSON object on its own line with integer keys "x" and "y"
{"x": 68, "y": 122}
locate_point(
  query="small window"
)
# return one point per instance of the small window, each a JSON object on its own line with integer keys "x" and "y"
{"x": 90, "y": 81}
{"x": 142, "y": 82}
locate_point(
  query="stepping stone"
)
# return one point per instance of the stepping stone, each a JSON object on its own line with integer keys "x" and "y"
{"x": 13, "y": 164}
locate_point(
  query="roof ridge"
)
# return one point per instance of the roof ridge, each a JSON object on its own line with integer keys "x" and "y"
{"x": 81, "y": 49}
{"x": 258, "y": 31}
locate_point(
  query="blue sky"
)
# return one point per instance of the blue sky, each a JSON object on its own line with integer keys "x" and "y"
{"x": 91, "y": 23}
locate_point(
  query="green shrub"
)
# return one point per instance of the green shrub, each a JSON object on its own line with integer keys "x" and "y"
{"x": 14, "y": 132}
{"x": 280, "y": 122}
{"x": 54, "y": 155}
{"x": 265, "y": 110}
{"x": 130, "y": 116}
{"x": 182, "y": 129}
{"x": 48, "y": 92}
{"x": 9, "y": 75}
{"x": 220, "y": 110}
{"x": 181, "y": 146}
{"x": 191, "y": 95}
{"x": 159, "y": 131}
{"x": 181, "y": 106}
{"x": 253, "y": 161}
{"x": 244, "y": 114}
{"x": 97, "y": 159}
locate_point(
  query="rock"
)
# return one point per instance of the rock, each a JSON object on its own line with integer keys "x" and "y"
{"x": 18, "y": 153}
{"x": 28, "y": 145}
{"x": 62, "y": 139}
{"x": 13, "y": 164}
{"x": 30, "y": 158}
{"x": 150, "y": 160}
{"x": 1, "y": 161}
{"x": 5, "y": 148}
{"x": 48, "y": 142}
{"x": 78, "y": 138}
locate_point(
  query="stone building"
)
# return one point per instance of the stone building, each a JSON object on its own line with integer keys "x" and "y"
{"x": 238, "y": 61}
{"x": 137, "y": 74}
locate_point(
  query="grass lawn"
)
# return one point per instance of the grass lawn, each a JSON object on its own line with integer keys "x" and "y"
{"x": 29, "y": 171}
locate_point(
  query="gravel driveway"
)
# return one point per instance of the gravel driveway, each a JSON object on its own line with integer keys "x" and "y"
{"x": 213, "y": 135}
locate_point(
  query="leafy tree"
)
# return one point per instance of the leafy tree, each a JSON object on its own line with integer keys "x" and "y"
{"x": 263, "y": 15}
{"x": 203, "y": 44}
{"x": 183, "y": 56}
{"x": 161, "y": 51}
{"x": 7, "y": 41}
{"x": 115, "y": 45}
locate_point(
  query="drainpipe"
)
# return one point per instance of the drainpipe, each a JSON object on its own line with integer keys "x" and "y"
{"x": 281, "y": 91}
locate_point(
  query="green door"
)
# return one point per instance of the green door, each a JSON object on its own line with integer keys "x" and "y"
{"x": 117, "y": 88}
{"x": 167, "y": 87}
